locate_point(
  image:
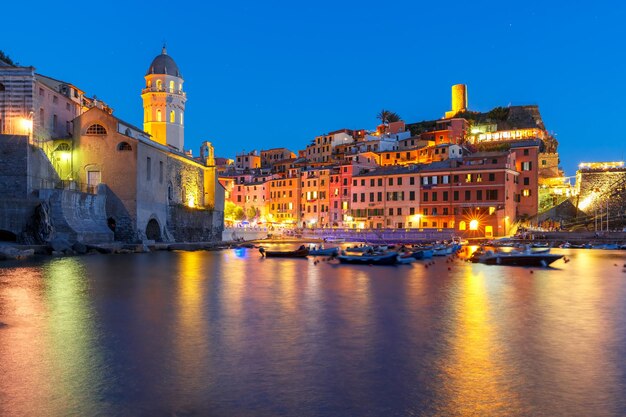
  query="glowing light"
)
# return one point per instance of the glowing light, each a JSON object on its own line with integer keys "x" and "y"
{"x": 66, "y": 156}
{"x": 473, "y": 225}
{"x": 191, "y": 201}
{"x": 601, "y": 165}
{"x": 587, "y": 201}
{"x": 27, "y": 124}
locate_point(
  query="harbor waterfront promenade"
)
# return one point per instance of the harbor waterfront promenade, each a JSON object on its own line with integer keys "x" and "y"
{"x": 227, "y": 333}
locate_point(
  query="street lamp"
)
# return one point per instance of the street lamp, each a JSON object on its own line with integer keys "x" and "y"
{"x": 27, "y": 127}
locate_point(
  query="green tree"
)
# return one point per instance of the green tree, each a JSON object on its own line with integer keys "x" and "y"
{"x": 386, "y": 116}
{"x": 251, "y": 213}
{"x": 229, "y": 210}
{"x": 4, "y": 57}
{"x": 238, "y": 214}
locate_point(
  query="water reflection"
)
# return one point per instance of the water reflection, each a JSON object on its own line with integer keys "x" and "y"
{"x": 475, "y": 368}
{"x": 228, "y": 333}
{"x": 24, "y": 371}
{"x": 73, "y": 345}
{"x": 190, "y": 336}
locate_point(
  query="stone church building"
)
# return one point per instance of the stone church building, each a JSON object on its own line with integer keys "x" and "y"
{"x": 122, "y": 182}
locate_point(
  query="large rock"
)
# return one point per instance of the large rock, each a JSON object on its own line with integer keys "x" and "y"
{"x": 11, "y": 253}
{"x": 79, "y": 248}
{"x": 60, "y": 245}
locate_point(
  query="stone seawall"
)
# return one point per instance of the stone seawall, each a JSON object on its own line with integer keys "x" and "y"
{"x": 14, "y": 166}
{"x": 79, "y": 216}
{"x": 241, "y": 233}
{"x": 192, "y": 225}
{"x": 15, "y": 214}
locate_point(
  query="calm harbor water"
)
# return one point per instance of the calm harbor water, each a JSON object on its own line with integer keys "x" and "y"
{"x": 230, "y": 334}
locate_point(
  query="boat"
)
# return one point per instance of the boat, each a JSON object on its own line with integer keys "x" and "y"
{"x": 422, "y": 253}
{"x": 606, "y": 246}
{"x": 405, "y": 258}
{"x": 389, "y": 258}
{"x": 443, "y": 250}
{"x": 301, "y": 252}
{"x": 334, "y": 239}
{"x": 334, "y": 251}
{"x": 360, "y": 249}
{"x": 517, "y": 258}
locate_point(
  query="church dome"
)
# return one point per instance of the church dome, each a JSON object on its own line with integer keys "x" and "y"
{"x": 164, "y": 64}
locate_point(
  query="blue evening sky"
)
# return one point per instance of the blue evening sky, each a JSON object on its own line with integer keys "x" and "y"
{"x": 271, "y": 74}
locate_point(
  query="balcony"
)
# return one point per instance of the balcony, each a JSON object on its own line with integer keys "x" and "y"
{"x": 163, "y": 90}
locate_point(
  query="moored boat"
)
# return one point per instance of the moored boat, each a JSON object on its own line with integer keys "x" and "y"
{"x": 301, "y": 252}
{"x": 334, "y": 251}
{"x": 334, "y": 239}
{"x": 405, "y": 258}
{"x": 422, "y": 253}
{"x": 390, "y": 258}
{"x": 360, "y": 249}
{"x": 516, "y": 258}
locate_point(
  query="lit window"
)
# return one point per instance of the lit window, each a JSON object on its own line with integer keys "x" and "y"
{"x": 159, "y": 85}
{"x": 181, "y": 118}
{"x": 462, "y": 225}
{"x": 172, "y": 116}
{"x": 473, "y": 225}
{"x": 158, "y": 114}
{"x": 96, "y": 129}
{"x": 171, "y": 86}
{"x": 468, "y": 178}
{"x": 526, "y": 193}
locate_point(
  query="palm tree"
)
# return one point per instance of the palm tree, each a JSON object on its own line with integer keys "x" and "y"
{"x": 386, "y": 116}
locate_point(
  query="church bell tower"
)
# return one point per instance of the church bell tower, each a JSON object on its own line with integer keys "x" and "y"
{"x": 164, "y": 102}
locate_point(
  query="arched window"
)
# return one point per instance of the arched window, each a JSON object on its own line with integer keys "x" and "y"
{"x": 172, "y": 116}
{"x": 159, "y": 115}
{"x": 96, "y": 129}
{"x": 181, "y": 118}
{"x": 159, "y": 85}
{"x": 124, "y": 146}
{"x": 171, "y": 86}
{"x": 462, "y": 225}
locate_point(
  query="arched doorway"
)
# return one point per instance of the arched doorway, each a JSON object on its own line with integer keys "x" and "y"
{"x": 153, "y": 230}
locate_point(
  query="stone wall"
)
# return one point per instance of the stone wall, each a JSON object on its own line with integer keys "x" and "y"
{"x": 79, "y": 216}
{"x": 13, "y": 166}
{"x": 192, "y": 225}
{"x": 597, "y": 188}
{"x": 185, "y": 182}
{"x": 15, "y": 214}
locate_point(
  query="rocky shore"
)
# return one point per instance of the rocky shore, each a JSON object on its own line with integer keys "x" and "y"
{"x": 62, "y": 247}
